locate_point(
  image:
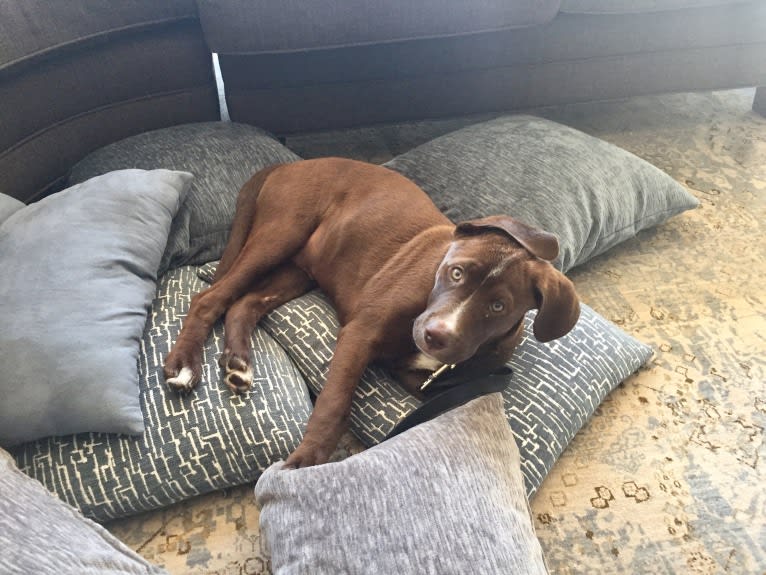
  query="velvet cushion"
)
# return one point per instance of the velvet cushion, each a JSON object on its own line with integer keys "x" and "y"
{"x": 221, "y": 155}
{"x": 192, "y": 444}
{"x": 444, "y": 497}
{"x": 81, "y": 268}
{"x": 591, "y": 194}
{"x": 40, "y": 534}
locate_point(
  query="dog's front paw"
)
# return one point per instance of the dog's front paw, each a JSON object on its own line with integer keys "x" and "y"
{"x": 181, "y": 376}
{"x": 307, "y": 454}
{"x": 238, "y": 371}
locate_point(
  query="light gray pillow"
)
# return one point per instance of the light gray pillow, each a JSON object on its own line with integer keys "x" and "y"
{"x": 41, "y": 534}
{"x": 221, "y": 155}
{"x": 591, "y": 194}
{"x": 444, "y": 497}
{"x": 79, "y": 274}
{"x": 8, "y": 206}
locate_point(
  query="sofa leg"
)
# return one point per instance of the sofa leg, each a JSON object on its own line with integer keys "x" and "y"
{"x": 759, "y": 101}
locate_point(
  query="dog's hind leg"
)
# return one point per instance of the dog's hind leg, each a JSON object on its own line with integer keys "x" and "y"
{"x": 243, "y": 219}
{"x": 267, "y": 248}
{"x": 262, "y": 240}
{"x": 281, "y": 285}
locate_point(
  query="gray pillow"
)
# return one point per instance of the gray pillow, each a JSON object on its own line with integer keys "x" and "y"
{"x": 443, "y": 497}
{"x": 40, "y": 534}
{"x": 221, "y": 155}
{"x": 210, "y": 439}
{"x": 80, "y": 270}
{"x": 554, "y": 390}
{"x": 591, "y": 194}
{"x": 8, "y": 206}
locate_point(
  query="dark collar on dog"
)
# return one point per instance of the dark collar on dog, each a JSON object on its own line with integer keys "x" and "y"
{"x": 445, "y": 393}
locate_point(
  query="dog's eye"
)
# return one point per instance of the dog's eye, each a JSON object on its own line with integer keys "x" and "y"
{"x": 497, "y": 306}
{"x": 456, "y": 273}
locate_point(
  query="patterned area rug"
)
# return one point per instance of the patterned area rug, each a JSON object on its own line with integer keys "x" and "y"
{"x": 668, "y": 476}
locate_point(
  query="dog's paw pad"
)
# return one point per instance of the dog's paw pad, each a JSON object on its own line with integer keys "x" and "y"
{"x": 184, "y": 382}
{"x": 239, "y": 382}
{"x": 239, "y": 373}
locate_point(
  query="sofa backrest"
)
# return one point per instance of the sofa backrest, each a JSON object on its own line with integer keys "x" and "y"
{"x": 289, "y": 66}
{"x": 80, "y": 74}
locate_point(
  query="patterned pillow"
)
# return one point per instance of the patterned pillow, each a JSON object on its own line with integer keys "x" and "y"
{"x": 193, "y": 444}
{"x": 554, "y": 390}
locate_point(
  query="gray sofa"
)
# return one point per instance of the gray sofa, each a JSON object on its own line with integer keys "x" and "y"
{"x": 76, "y": 76}
{"x": 317, "y": 65}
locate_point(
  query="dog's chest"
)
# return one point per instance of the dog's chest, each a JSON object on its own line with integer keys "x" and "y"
{"x": 425, "y": 363}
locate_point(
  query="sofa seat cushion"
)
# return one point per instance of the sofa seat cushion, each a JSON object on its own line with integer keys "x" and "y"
{"x": 192, "y": 444}
{"x": 638, "y": 6}
{"x": 246, "y": 26}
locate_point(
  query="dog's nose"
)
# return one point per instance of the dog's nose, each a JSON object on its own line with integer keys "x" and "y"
{"x": 437, "y": 335}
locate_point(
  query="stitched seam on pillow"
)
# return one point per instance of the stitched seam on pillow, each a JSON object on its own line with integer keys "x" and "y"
{"x": 672, "y": 211}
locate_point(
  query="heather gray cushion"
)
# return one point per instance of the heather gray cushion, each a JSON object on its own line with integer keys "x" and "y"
{"x": 40, "y": 534}
{"x": 591, "y": 194}
{"x": 8, "y": 206}
{"x": 80, "y": 271}
{"x": 554, "y": 390}
{"x": 221, "y": 155}
{"x": 210, "y": 439}
{"x": 445, "y": 497}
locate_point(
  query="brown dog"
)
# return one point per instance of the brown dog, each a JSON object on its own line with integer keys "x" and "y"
{"x": 375, "y": 243}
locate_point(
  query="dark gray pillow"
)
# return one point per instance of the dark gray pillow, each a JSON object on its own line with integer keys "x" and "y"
{"x": 221, "y": 155}
{"x": 210, "y": 439}
{"x": 80, "y": 270}
{"x": 8, "y": 206}
{"x": 591, "y": 194}
{"x": 554, "y": 390}
{"x": 40, "y": 534}
{"x": 445, "y": 497}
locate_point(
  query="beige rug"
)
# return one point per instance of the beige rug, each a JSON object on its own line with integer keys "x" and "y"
{"x": 669, "y": 476}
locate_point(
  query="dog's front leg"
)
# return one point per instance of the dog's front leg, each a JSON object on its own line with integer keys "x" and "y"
{"x": 329, "y": 419}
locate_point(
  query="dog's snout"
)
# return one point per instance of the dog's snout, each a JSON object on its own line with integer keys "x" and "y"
{"x": 437, "y": 335}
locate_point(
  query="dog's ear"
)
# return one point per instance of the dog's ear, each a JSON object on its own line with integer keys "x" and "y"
{"x": 558, "y": 306}
{"x": 542, "y": 244}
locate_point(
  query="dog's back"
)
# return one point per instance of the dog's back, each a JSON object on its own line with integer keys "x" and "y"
{"x": 359, "y": 216}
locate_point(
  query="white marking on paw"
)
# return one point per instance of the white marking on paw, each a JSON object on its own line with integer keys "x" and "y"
{"x": 184, "y": 379}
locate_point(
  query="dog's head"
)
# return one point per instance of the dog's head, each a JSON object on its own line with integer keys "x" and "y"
{"x": 495, "y": 270}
